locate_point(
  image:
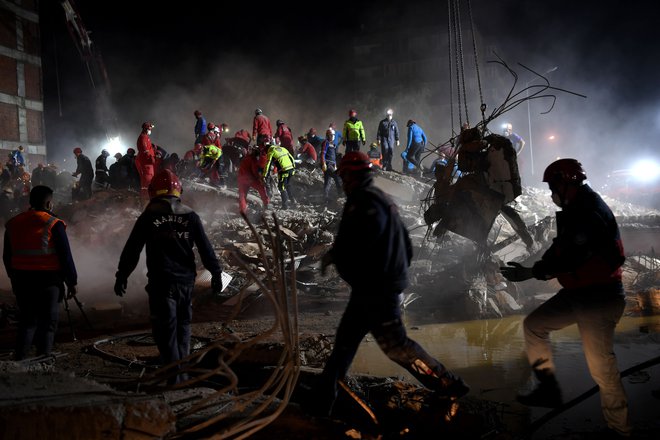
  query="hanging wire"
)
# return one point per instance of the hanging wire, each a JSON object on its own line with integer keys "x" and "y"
{"x": 451, "y": 85}
{"x": 460, "y": 49}
{"x": 476, "y": 61}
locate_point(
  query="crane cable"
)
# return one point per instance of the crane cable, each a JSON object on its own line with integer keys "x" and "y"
{"x": 482, "y": 106}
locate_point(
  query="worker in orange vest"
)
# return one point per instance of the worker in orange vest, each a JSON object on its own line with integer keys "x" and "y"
{"x": 39, "y": 263}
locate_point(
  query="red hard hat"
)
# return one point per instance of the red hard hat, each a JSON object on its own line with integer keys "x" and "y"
{"x": 564, "y": 171}
{"x": 77, "y": 150}
{"x": 197, "y": 148}
{"x": 198, "y": 113}
{"x": 352, "y": 112}
{"x": 354, "y": 161}
{"x": 210, "y": 126}
{"x": 147, "y": 126}
{"x": 165, "y": 183}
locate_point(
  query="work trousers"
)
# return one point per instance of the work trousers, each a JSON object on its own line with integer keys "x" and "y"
{"x": 170, "y": 305}
{"x": 596, "y": 312}
{"x": 330, "y": 175}
{"x": 380, "y": 316}
{"x": 146, "y": 172}
{"x": 244, "y": 187}
{"x": 387, "y": 149}
{"x": 352, "y": 146}
{"x": 39, "y": 309}
{"x": 415, "y": 153}
{"x": 283, "y": 185}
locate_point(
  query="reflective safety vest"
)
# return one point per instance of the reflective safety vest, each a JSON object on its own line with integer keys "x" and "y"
{"x": 281, "y": 156}
{"x": 354, "y": 131}
{"x": 375, "y": 158}
{"x": 211, "y": 152}
{"x": 31, "y": 239}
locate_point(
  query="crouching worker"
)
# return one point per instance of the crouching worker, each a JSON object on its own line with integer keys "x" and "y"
{"x": 38, "y": 260}
{"x": 372, "y": 253}
{"x": 169, "y": 229}
{"x": 586, "y": 258}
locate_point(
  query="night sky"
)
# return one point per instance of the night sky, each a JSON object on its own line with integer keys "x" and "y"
{"x": 167, "y": 59}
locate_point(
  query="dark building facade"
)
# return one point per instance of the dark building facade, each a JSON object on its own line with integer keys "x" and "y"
{"x": 21, "y": 88}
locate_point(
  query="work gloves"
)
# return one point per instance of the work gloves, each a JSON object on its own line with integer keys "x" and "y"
{"x": 516, "y": 272}
{"x": 324, "y": 167}
{"x": 120, "y": 286}
{"x": 364, "y": 142}
{"x": 216, "y": 284}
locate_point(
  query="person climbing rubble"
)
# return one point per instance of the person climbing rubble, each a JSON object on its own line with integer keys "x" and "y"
{"x": 283, "y": 136}
{"x": 516, "y": 140}
{"x": 210, "y": 164}
{"x": 101, "y": 173}
{"x": 169, "y": 230}
{"x": 387, "y": 137}
{"x": 84, "y": 169}
{"x": 249, "y": 176}
{"x": 415, "y": 146}
{"x": 261, "y": 125}
{"x": 283, "y": 160}
{"x": 328, "y": 161}
{"x": 39, "y": 263}
{"x": 377, "y": 271}
{"x": 145, "y": 160}
{"x": 586, "y": 258}
{"x": 353, "y": 132}
{"x": 200, "y": 126}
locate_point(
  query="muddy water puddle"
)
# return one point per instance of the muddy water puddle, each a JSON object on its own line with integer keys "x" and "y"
{"x": 489, "y": 355}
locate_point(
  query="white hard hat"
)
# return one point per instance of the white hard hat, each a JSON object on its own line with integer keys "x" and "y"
{"x": 389, "y": 112}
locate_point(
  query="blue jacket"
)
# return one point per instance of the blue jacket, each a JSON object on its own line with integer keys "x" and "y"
{"x": 328, "y": 152}
{"x": 388, "y": 133}
{"x": 416, "y": 134}
{"x": 200, "y": 127}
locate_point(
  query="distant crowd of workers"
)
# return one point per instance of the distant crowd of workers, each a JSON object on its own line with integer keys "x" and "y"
{"x": 252, "y": 157}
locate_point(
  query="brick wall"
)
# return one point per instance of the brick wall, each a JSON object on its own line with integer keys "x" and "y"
{"x": 9, "y": 122}
{"x": 8, "y": 81}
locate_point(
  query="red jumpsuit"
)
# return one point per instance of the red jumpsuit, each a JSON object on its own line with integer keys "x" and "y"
{"x": 145, "y": 162}
{"x": 308, "y": 149}
{"x": 286, "y": 138}
{"x": 249, "y": 176}
{"x": 261, "y": 125}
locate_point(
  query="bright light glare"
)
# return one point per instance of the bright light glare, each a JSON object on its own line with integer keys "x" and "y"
{"x": 645, "y": 171}
{"x": 552, "y": 137}
{"x": 113, "y": 144}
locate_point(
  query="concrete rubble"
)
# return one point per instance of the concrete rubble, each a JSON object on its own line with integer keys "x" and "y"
{"x": 471, "y": 288}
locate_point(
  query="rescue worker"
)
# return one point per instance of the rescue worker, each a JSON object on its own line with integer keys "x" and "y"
{"x": 586, "y": 258}
{"x": 86, "y": 172}
{"x": 249, "y": 176}
{"x": 328, "y": 161}
{"x": 101, "y": 171}
{"x": 372, "y": 253}
{"x": 117, "y": 177}
{"x": 16, "y": 160}
{"x": 283, "y": 160}
{"x": 416, "y": 144}
{"x": 284, "y": 137}
{"x": 306, "y": 152}
{"x": 127, "y": 162}
{"x": 188, "y": 167}
{"x": 39, "y": 263}
{"x": 145, "y": 161}
{"x": 353, "y": 132}
{"x": 338, "y": 137}
{"x": 212, "y": 137}
{"x": 168, "y": 229}
{"x": 261, "y": 125}
{"x": 209, "y": 163}
{"x": 387, "y": 136}
{"x": 38, "y": 175}
{"x": 516, "y": 140}
{"x": 374, "y": 156}
{"x": 200, "y": 126}
{"x": 314, "y": 139}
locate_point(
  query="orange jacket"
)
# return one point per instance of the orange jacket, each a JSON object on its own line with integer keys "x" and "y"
{"x": 30, "y": 235}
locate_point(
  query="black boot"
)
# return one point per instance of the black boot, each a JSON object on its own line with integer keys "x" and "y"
{"x": 547, "y": 393}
